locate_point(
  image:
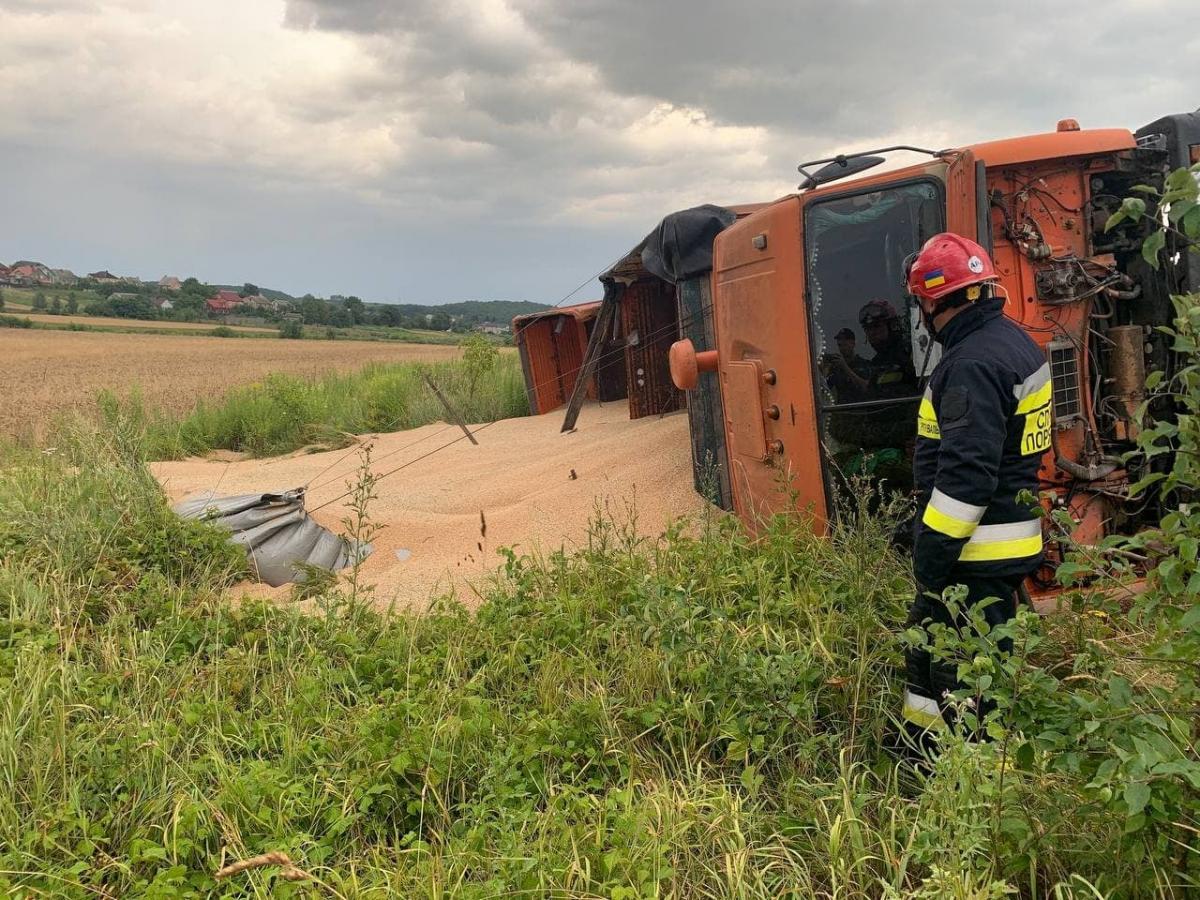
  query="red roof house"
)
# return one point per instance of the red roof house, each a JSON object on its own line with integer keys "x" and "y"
{"x": 224, "y": 302}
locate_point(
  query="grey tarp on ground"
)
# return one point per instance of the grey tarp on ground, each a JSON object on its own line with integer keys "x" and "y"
{"x": 276, "y": 532}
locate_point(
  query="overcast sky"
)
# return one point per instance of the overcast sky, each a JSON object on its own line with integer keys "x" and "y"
{"x": 504, "y": 149}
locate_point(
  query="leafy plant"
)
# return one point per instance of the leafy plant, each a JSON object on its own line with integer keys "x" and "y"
{"x": 479, "y": 358}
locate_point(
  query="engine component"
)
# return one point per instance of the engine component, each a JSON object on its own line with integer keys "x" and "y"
{"x": 1066, "y": 391}
{"x": 1061, "y": 282}
{"x": 1127, "y": 374}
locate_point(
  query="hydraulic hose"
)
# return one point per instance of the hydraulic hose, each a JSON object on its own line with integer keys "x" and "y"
{"x": 1091, "y": 472}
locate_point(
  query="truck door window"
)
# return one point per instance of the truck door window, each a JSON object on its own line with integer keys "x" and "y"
{"x": 865, "y": 329}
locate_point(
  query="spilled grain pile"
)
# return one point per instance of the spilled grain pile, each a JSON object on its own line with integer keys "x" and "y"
{"x": 533, "y": 487}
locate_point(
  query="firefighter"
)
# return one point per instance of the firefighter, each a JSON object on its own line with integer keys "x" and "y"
{"x": 891, "y": 368}
{"x": 982, "y": 427}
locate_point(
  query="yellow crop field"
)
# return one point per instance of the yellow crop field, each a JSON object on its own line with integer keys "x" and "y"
{"x": 52, "y": 372}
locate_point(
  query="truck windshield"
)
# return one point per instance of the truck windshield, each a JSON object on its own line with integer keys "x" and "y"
{"x": 866, "y": 332}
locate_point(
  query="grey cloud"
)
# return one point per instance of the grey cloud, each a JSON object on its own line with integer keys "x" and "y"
{"x": 472, "y": 147}
{"x": 860, "y": 68}
{"x": 815, "y": 76}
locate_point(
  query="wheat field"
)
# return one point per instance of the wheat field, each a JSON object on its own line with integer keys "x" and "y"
{"x": 48, "y": 373}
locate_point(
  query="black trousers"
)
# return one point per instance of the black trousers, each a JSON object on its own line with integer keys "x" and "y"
{"x": 931, "y": 678}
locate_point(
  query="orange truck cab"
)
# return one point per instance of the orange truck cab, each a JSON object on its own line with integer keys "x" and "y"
{"x": 789, "y": 282}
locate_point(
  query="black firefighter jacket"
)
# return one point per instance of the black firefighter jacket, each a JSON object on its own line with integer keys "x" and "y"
{"x": 982, "y": 427}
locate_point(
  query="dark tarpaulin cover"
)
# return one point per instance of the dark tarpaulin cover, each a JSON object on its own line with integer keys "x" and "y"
{"x": 276, "y": 532}
{"x": 681, "y": 246}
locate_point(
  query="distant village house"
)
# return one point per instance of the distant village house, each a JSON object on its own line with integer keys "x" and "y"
{"x": 223, "y": 303}
{"x": 25, "y": 273}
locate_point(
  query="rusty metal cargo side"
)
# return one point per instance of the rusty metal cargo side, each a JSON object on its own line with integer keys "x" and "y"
{"x": 650, "y": 324}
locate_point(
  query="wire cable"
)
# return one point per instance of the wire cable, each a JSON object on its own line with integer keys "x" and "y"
{"x": 309, "y": 486}
{"x": 379, "y": 478}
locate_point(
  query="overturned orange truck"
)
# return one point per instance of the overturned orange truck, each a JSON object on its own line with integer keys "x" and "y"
{"x": 789, "y": 281}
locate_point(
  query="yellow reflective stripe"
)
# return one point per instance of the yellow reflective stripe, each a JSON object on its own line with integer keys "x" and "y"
{"x": 1012, "y": 540}
{"x": 939, "y": 521}
{"x": 922, "y": 711}
{"x": 1034, "y": 391}
{"x": 951, "y": 517}
{"x": 1040, "y": 397}
{"x": 1015, "y": 549}
{"x": 927, "y": 423}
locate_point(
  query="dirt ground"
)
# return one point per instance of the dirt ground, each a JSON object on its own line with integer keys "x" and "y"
{"x": 53, "y": 372}
{"x": 519, "y": 479}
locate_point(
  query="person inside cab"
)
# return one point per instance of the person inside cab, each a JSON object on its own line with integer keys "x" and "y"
{"x": 847, "y": 373}
{"x": 876, "y": 440}
{"x": 892, "y": 373}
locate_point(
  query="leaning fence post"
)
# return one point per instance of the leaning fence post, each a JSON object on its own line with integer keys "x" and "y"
{"x": 450, "y": 411}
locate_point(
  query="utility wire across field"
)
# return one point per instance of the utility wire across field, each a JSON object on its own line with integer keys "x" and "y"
{"x": 602, "y": 358}
{"x": 384, "y": 475}
{"x": 309, "y": 486}
{"x": 619, "y": 351}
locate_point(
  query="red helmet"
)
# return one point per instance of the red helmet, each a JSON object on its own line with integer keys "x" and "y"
{"x": 948, "y": 263}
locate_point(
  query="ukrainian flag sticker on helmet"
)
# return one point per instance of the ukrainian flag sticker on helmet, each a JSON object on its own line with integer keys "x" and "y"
{"x": 934, "y": 278}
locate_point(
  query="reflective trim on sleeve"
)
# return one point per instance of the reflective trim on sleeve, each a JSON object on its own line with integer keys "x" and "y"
{"x": 927, "y": 423}
{"x": 923, "y": 712}
{"x": 951, "y": 517}
{"x": 1034, "y": 391}
{"x": 1013, "y": 540}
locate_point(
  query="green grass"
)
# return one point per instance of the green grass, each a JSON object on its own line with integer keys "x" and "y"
{"x": 22, "y": 297}
{"x": 376, "y": 333}
{"x": 695, "y": 716}
{"x": 285, "y": 412}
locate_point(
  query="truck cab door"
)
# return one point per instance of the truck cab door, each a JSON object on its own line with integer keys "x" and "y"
{"x": 967, "y": 211}
{"x": 764, "y": 368}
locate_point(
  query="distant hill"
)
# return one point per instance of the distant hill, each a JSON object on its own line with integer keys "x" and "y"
{"x": 501, "y": 311}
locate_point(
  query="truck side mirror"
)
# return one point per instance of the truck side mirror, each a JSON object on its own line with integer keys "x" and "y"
{"x": 687, "y": 364}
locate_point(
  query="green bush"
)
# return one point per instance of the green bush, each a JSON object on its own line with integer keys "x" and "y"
{"x": 15, "y": 322}
{"x": 291, "y": 330}
{"x": 223, "y": 331}
{"x": 479, "y": 357}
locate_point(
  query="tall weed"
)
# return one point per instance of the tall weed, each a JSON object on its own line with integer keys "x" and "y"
{"x": 695, "y": 715}
{"x": 285, "y": 412}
